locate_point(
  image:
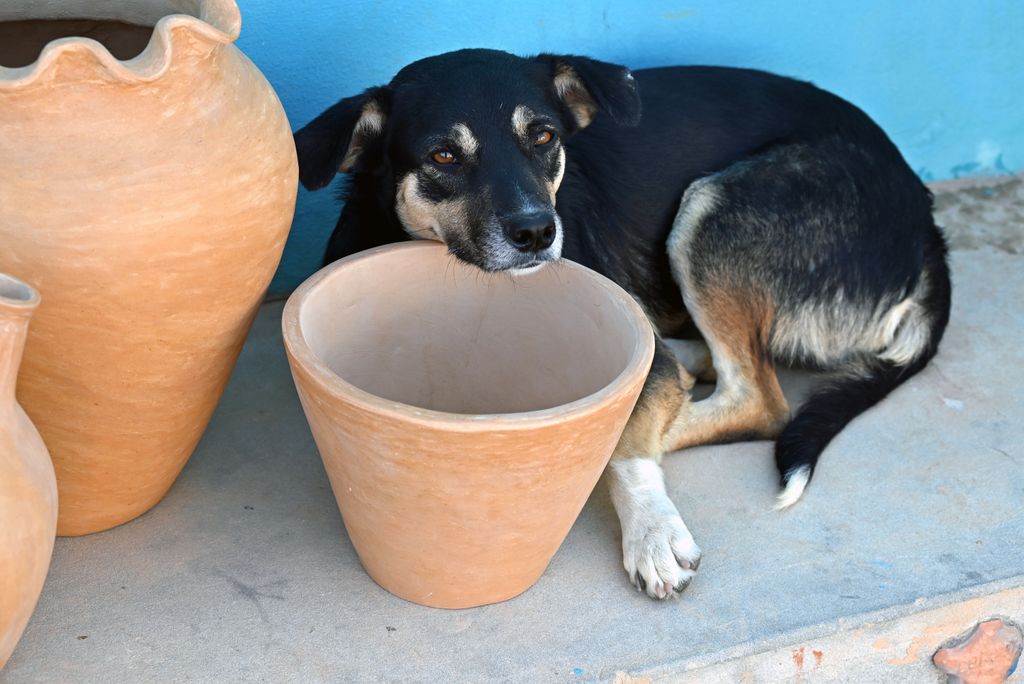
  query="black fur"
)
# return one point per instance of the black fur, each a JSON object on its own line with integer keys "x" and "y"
{"x": 831, "y": 407}
{"x": 816, "y": 201}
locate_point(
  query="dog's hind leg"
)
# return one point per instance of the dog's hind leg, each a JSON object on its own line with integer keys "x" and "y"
{"x": 817, "y": 253}
{"x": 658, "y": 552}
{"x": 735, "y": 317}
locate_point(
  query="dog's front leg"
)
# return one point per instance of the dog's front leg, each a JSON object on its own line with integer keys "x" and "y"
{"x": 658, "y": 552}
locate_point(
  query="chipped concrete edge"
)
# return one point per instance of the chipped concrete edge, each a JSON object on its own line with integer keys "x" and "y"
{"x": 892, "y": 645}
{"x": 956, "y": 184}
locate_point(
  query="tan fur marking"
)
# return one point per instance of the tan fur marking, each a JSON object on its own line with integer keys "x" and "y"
{"x": 653, "y": 417}
{"x": 554, "y": 185}
{"x": 465, "y": 139}
{"x": 828, "y": 331}
{"x": 522, "y": 117}
{"x": 370, "y": 124}
{"x": 748, "y": 401}
{"x": 735, "y": 322}
{"x": 422, "y": 219}
{"x": 573, "y": 93}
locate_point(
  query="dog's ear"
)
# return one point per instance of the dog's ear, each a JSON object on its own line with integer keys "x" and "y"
{"x": 343, "y": 138}
{"x": 585, "y": 86}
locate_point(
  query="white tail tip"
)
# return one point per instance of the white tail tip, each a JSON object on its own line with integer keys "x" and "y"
{"x": 795, "y": 486}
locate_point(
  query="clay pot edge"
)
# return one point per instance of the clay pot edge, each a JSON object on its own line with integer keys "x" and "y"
{"x": 18, "y": 301}
{"x": 219, "y": 22}
{"x": 303, "y": 359}
{"x": 17, "y": 296}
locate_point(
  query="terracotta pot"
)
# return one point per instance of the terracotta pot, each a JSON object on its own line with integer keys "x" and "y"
{"x": 463, "y": 418}
{"x": 28, "y": 491}
{"x": 148, "y": 199}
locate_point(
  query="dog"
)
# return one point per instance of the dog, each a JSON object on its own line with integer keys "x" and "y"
{"x": 775, "y": 218}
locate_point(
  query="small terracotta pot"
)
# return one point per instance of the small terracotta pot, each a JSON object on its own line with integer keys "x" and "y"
{"x": 463, "y": 418}
{"x": 28, "y": 490}
{"x": 147, "y": 194}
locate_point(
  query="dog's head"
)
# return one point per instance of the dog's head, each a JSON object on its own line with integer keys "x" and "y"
{"x": 467, "y": 147}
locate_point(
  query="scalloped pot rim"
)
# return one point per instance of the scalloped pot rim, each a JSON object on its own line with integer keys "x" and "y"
{"x": 216, "y": 21}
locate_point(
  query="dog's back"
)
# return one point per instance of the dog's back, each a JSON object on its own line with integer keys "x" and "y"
{"x": 623, "y": 184}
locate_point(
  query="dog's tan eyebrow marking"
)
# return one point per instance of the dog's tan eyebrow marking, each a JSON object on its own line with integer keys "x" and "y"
{"x": 465, "y": 139}
{"x": 522, "y": 117}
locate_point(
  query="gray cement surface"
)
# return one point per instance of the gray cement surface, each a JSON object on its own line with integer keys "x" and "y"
{"x": 245, "y": 573}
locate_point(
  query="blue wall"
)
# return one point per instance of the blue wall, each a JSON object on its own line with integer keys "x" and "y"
{"x": 945, "y": 79}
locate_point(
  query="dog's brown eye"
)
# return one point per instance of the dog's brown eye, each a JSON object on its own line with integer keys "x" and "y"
{"x": 542, "y": 137}
{"x": 443, "y": 157}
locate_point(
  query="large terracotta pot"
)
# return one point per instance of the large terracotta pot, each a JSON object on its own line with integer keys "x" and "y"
{"x": 148, "y": 198}
{"x": 28, "y": 491}
{"x": 463, "y": 419}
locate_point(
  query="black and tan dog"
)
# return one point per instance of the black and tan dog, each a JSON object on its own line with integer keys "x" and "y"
{"x": 775, "y": 217}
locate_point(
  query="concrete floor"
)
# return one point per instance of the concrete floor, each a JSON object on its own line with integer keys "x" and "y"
{"x": 911, "y": 531}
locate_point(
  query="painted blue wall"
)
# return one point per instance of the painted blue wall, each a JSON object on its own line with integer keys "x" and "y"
{"x": 944, "y": 78}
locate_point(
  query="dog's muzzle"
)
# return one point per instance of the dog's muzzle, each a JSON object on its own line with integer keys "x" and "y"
{"x": 530, "y": 233}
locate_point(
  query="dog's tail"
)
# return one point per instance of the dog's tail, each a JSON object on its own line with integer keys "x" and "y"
{"x": 829, "y": 408}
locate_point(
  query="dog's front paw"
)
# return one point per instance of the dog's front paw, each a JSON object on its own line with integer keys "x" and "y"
{"x": 660, "y": 557}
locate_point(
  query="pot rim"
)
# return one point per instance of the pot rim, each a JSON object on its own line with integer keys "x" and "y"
{"x": 300, "y": 354}
{"x": 17, "y": 296}
{"x": 218, "y": 22}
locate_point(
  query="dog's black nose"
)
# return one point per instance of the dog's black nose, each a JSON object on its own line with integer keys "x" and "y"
{"x": 530, "y": 232}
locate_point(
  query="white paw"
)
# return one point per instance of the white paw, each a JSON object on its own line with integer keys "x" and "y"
{"x": 658, "y": 552}
{"x": 660, "y": 557}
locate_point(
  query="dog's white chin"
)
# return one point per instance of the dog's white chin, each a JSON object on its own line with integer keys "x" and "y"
{"x": 526, "y": 270}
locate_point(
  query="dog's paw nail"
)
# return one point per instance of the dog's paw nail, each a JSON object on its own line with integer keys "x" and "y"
{"x": 641, "y": 583}
{"x": 683, "y": 583}
{"x": 689, "y": 563}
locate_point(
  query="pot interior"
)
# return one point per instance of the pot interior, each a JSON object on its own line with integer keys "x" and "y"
{"x": 415, "y": 326}
{"x": 123, "y": 28}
